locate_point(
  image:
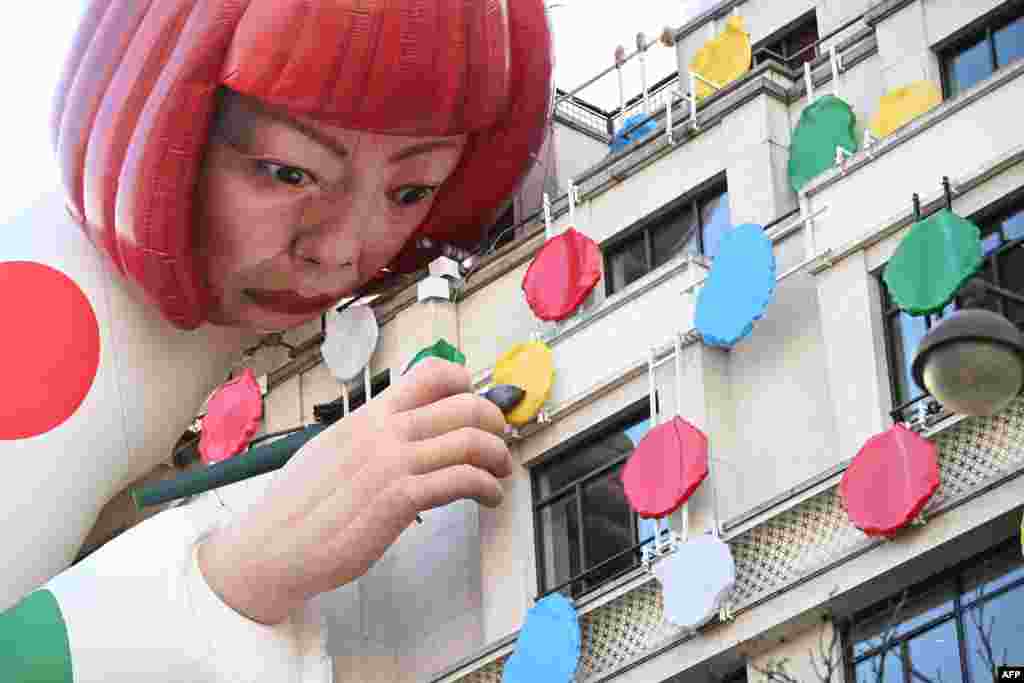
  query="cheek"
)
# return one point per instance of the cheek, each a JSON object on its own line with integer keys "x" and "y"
{"x": 238, "y": 231}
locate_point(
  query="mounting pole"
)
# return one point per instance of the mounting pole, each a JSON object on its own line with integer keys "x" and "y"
{"x": 547, "y": 217}
{"x": 641, "y": 45}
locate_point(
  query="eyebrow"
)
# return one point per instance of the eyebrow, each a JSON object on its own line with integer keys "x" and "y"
{"x": 341, "y": 152}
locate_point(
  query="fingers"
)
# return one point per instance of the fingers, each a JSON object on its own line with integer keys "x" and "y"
{"x": 430, "y": 380}
{"x": 465, "y": 446}
{"x": 350, "y": 548}
{"x": 449, "y": 414}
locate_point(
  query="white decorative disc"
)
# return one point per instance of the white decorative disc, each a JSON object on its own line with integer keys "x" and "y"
{"x": 696, "y": 580}
{"x": 350, "y": 340}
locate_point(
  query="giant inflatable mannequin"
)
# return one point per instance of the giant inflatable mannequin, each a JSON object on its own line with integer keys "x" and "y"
{"x": 110, "y": 303}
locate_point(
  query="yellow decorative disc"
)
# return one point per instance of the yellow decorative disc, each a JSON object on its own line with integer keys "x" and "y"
{"x": 530, "y": 367}
{"x": 724, "y": 58}
{"x": 902, "y": 105}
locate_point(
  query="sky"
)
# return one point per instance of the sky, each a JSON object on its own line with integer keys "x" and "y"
{"x": 33, "y": 48}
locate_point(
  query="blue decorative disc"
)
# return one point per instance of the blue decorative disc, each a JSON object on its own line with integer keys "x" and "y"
{"x": 739, "y": 287}
{"x": 548, "y": 648}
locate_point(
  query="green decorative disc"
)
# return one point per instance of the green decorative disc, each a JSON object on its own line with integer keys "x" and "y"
{"x": 936, "y": 257}
{"x": 440, "y": 349}
{"x": 824, "y": 125}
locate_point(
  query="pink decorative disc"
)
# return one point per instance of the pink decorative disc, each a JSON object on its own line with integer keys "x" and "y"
{"x": 232, "y": 417}
{"x": 562, "y": 274}
{"x": 890, "y": 481}
{"x": 667, "y": 466}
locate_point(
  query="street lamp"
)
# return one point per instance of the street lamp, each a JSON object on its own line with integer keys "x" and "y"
{"x": 973, "y": 361}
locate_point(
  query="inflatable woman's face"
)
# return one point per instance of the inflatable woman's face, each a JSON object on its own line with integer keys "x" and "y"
{"x": 294, "y": 215}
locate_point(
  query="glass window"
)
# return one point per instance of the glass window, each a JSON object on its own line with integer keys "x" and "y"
{"x": 668, "y": 236}
{"x": 998, "y": 44}
{"x": 628, "y": 263}
{"x": 674, "y": 236}
{"x": 609, "y": 523}
{"x": 935, "y": 654}
{"x": 905, "y": 331}
{"x": 588, "y": 478}
{"x": 969, "y": 66}
{"x": 935, "y": 636}
{"x": 1013, "y": 227}
{"x": 559, "y": 529}
{"x": 1009, "y": 42}
{"x": 1003, "y": 622}
{"x": 892, "y": 668}
{"x": 714, "y": 223}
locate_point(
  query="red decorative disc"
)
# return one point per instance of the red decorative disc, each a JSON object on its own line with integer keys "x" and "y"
{"x": 667, "y": 466}
{"x": 890, "y": 480}
{"x": 232, "y": 416}
{"x": 562, "y": 274}
{"x": 50, "y": 350}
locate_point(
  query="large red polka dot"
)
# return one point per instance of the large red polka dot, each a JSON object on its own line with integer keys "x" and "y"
{"x": 49, "y": 352}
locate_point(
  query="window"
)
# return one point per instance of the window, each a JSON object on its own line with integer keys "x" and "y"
{"x": 944, "y": 628}
{"x": 1002, "y": 237}
{"x": 791, "y": 45}
{"x": 693, "y": 224}
{"x": 581, "y": 517}
{"x": 501, "y": 233}
{"x": 976, "y": 55}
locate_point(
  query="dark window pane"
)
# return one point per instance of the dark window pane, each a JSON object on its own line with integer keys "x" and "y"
{"x": 991, "y": 242}
{"x": 803, "y": 37}
{"x": 673, "y": 236}
{"x": 906, "y": 335}
{"x": 1011, "y": 276}
{"x": 935, "y": 654}
{"x": 714, "y": 222}
{"x": 559, "y": 531}
{"x": 1003, "y": 620}
{"x": 608, "y": 525}
{"x": 627, "y": 263}
{"x": 969, "y": 66}
{"x": 999, "y": 571}
{"x": 892, "y": 669}
{"x": 592, "y": 456}
{"x": 1009, "y": 42}
{"x": 917, "y": 611}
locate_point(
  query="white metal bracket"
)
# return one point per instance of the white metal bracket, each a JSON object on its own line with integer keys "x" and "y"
{"x": 836, "y": 61}
{"x": 843, "y": 156}
{"x": 665, "y": 543}
{"x": 547, "y": 216}
{"x": 869, "y": 143}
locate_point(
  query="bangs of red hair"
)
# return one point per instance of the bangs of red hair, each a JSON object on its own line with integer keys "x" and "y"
{"x": 134, "y": 108}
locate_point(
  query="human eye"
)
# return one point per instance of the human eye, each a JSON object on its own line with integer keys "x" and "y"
{"x": 409, "y": 195}
{"x": 289, "y": 175}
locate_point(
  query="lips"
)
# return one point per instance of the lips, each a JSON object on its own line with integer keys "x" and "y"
{"x": 288, "y": 302}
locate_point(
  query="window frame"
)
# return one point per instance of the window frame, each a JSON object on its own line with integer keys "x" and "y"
{"x": 984, "y": 27}
{"x": 995, "y": 213}
{"x": 642, "y": 229}
{"x": 962, "y": 603}
{"x": 637, "y": 411}
{"x": 782, "y": 36}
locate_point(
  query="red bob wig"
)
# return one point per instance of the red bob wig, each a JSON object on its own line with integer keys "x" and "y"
{"x": 136, "y": 102}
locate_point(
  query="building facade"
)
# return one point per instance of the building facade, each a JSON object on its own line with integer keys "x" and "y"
{"x": 785, "y": 410}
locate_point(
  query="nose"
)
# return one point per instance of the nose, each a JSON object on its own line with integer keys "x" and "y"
{"x": 328, "y": 246}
